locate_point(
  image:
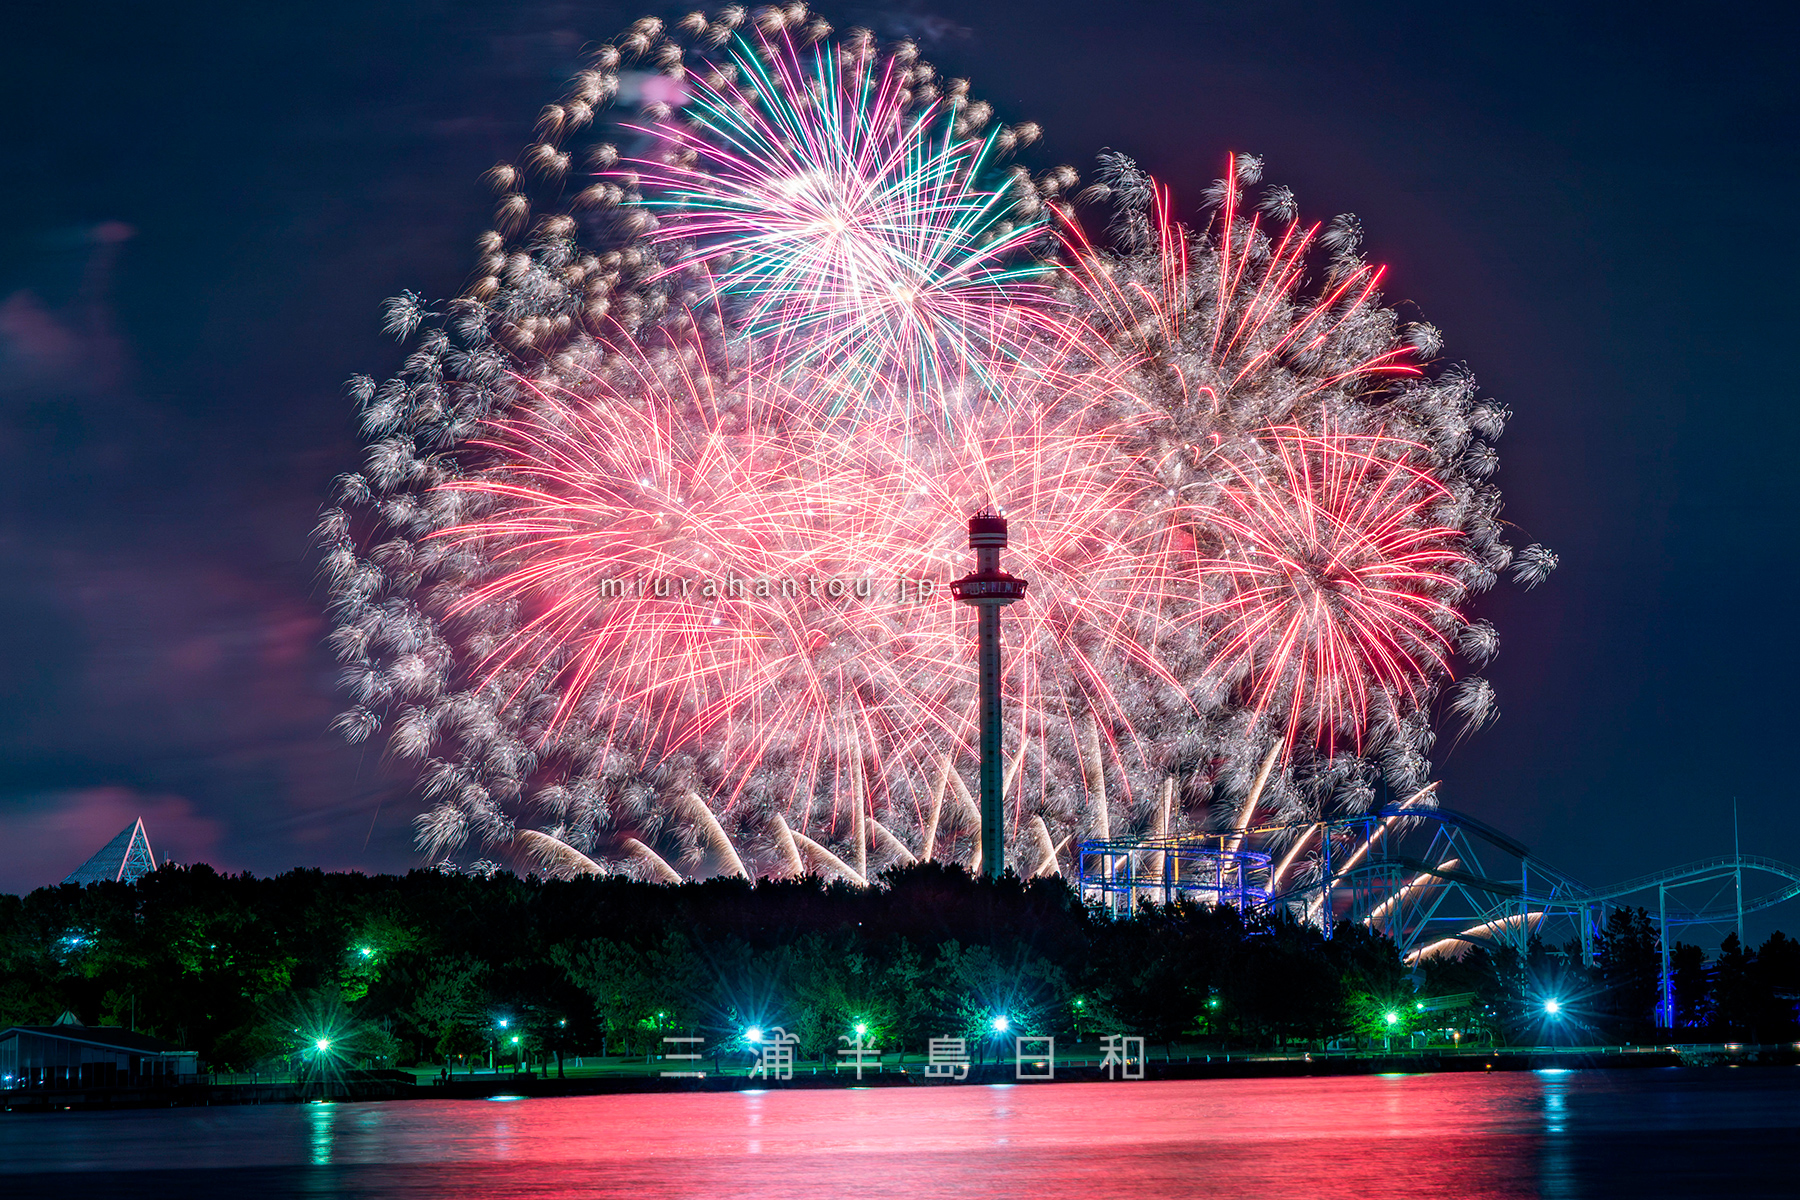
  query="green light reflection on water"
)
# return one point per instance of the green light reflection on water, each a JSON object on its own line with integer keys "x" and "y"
{"x": 323, "y": 1118}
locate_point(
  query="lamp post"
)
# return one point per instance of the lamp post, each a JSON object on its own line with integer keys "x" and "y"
{"x": 989, "y": 590}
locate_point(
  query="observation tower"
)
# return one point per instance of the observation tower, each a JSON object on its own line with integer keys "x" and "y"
{"x": 989, "y": 590}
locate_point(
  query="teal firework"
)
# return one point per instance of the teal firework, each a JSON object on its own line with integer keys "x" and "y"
{"x": 845, "y": 221}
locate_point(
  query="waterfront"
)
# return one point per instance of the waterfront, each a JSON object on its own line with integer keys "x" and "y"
{"x": 1667, "y": 1132}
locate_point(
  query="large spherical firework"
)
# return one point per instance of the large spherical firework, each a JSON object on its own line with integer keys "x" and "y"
{"x": 670, "y": 582}
{"x": 1331, "y": 592}
{"x": 650, "y": 547}
{"x": 853, "y": 218}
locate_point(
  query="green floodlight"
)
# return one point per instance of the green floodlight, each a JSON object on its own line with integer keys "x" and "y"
{"x": 1213, "y": 1002}
{"x": 1393, "y": 1018}
{"x": 1552, "y": 1006}
{"x": 753, "y": 1034}
{"x": 366, "y": 952}
{"x": 1001, "y": 1024}
{"x": 504, "y": 1022}
{"x": 861, "y": 1029}
{"x": 323, "y": 1044}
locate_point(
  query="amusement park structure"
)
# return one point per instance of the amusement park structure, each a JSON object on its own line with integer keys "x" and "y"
{"x": 987, "y": 591}
{"x": 1434, "y": 880}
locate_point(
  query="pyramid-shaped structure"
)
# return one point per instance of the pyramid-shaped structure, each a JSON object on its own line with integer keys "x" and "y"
{"x": 121, "y": 860}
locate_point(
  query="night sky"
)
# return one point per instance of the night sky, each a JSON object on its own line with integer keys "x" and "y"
{"x": 206, "y": 205}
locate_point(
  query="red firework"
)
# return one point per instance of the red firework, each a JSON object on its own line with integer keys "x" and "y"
{"x": 1245, "y": 314}
{"x": 1334, "y": 585}
{"x": 681, "y": 570}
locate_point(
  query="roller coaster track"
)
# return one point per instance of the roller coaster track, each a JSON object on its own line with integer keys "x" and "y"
{"x": 1433, "y": 879}
{"x": 1438, "y": 897}
{"x": 1707, "y": 869}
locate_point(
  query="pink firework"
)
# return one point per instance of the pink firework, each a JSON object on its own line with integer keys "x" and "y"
{"x": 705, "y": 581}
{"x": 1335, "y": 583}
{"x": 798, "y": 327}
{"x": 1237, "y": 309}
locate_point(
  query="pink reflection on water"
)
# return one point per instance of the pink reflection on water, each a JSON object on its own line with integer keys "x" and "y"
{"x": 1474, "y": 1137}
{"x": 1426, "y": 1135}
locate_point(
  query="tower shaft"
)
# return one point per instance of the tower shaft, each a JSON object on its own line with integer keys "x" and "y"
{"x": 989, "y": 590}
{"x": 993, "y": 774}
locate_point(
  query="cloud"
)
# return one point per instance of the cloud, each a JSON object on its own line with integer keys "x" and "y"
{"x": 912, "y": 20}
{"x": 72, "y": 349}
{"x": 46, "y": 835}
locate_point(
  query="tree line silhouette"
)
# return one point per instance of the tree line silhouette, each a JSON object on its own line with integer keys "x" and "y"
{"x": 426, "y": 968}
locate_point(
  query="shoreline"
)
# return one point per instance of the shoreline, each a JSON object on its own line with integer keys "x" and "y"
{"x": 406, "y": 1085}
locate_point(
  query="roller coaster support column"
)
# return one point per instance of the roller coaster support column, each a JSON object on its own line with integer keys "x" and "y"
{"x": 1524, "y": 908}
{"x": 1325, "y": 879}
{"x": 1665, "y": 1007}
{"x": 1737, "y": 852}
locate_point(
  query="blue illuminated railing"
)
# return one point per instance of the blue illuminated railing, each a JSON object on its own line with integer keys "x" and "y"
{"x": 1121, "y": 873}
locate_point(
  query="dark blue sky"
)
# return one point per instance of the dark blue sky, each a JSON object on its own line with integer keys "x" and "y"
{"x": 207, "y": 205}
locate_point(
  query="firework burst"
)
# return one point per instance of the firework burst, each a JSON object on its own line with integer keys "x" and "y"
{"x": 1335, "y": 585}
{"x": 685, "y": 585}
{"x": 638, "y": 552}
{"x": 853, "y": 217}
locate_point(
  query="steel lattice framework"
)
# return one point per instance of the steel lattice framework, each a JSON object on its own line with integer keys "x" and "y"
{"x": 1117, "y": 874}
{"x": 1434, "y": 880}
{"x": 125, "y": 859}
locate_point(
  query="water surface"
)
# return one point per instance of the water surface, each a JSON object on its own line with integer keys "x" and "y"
{"x": 1636, "y": 1133}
